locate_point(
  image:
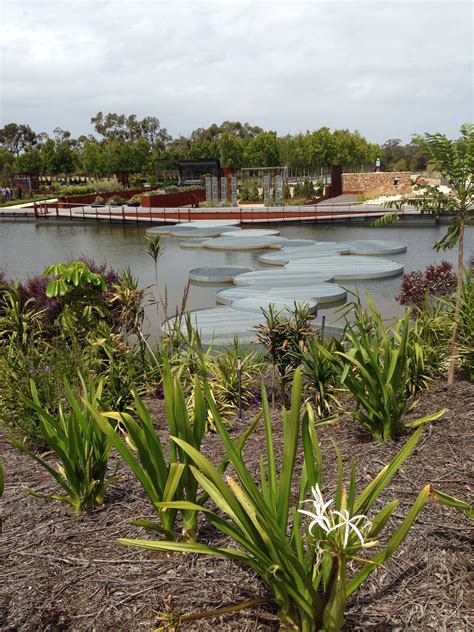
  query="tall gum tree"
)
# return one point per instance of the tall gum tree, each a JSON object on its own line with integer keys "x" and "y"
{"x": 455, "y": 162}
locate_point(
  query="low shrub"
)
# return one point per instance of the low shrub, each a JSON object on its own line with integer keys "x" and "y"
{"x": 417, "y": 287}
{"x": 171, "y": 189}
{"x": 79, "y": 317}
{"x": 105, "y": 185}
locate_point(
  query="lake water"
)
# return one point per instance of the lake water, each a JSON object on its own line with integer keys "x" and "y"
{"x": 28, "y": 247}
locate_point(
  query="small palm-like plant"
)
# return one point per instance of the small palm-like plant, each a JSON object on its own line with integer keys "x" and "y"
{"x": 81, "y": 448}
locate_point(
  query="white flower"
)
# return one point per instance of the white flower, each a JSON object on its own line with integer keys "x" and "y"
{"x": 319, "y": 515}
{"x": 348, "y": 523}
{"x": 330, "y": 520}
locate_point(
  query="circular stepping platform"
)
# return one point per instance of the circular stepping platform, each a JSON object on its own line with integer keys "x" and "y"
{"x": 191, "y": 229}
{"x": 375, "y": 247}
{"x": 193, "y": 243}
{"x": 224, "y": 224}
{"x": 348, "y": 267}
{"x": 316, "y": 249}
{"x": 323, "y": 293}
{"x": 254, "y": 232}
{"x": 215, "y": 231}
{"x": 281, "y": 277}
{"x": 299, "y": 243}
{"x": 224, "y": 274}
{"x": 245, "y": 243}
{"x": 220, "y": 325}
{"x": 258, "y": 303}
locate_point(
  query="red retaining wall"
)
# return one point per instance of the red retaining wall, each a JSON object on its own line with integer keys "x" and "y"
{"x": 180, "y": 198}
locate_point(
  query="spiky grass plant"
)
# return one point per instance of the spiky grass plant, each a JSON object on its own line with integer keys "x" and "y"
{"x": 376, "y": 370}
{"x": 164, "y": 477}
{"x": 320, "y": 368}
{"x": 81, "y": 448}
{"x": 306, "y": 568}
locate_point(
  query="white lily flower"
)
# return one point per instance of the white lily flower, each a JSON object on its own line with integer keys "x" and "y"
{"x": 319, "y": 515}
{"x": 330, "y": 520}
{"x": 349, "y": 523}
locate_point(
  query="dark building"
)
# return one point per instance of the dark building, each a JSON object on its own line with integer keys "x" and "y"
{"x": 191, "y": 171}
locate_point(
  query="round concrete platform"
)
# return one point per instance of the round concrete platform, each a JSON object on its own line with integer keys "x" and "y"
{"x": 348, "y": 267}
{"x": 323, "y": 293}
{"x": 367, "y": 247}
{"x": 245, "y": 243}
{"x": 253, "y": 232}
{"x": 220, "y": 325}
{"x": 218, "y": 274}
{"x": 193, "y": 243}
{"x": 256, "y": 304}
{"x": 193, "y": 232}
{"x": 375, "y": 247}
{"x": 224, "y": 224}
{"x": 281, "y": 277}
{"x": 316, "y": 249}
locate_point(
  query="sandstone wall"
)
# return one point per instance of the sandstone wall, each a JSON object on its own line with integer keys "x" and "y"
{"x": 377, "y": 182}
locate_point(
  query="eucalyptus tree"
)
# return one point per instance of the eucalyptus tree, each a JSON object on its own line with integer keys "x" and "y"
{"x": 454, "y": 160}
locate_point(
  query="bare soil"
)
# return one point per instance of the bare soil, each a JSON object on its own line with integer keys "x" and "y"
{"x": 63, "y": 572}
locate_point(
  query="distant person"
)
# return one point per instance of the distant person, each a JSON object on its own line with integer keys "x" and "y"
{"x": 377, "y": 164}
{"x": 8, "y": 194}
{"x": 20, "y": 193}
{"x": 4, "y": 194}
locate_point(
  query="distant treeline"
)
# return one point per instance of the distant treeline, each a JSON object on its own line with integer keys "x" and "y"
{"x": 126, "y": 143}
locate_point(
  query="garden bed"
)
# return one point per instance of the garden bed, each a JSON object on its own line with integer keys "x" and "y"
{"x": 62, "y": 572}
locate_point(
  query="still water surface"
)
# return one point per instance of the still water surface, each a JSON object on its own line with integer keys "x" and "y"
{"x": 26, "y": 248}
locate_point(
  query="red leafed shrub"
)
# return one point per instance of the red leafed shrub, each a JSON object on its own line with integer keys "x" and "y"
{"x": 436, "y": 280}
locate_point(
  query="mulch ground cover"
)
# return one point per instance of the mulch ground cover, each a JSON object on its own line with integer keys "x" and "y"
{"x": 63, "y": 572}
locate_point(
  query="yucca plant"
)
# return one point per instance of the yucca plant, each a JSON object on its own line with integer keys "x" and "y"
{"x": 163, "y": 477}
{"x": 305, "y": 568}
{"x": 320, "y": 368}
{"x": 282, "y": 335}
{"x": 375, "y": 369}
{"x": 224, "y": 376}
{"x": 81, "y": 448}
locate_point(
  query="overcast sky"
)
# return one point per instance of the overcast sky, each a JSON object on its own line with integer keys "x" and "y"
{"x": 388, "y": 69}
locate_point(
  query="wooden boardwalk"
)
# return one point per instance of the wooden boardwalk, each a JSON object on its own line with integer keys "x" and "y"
{"x": 244, "y": 214}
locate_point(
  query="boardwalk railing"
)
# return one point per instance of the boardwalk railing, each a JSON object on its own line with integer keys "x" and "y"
{"x": 245, "y": 214}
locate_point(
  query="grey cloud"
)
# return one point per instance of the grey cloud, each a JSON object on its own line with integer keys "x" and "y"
{"x": 388, "y": 69}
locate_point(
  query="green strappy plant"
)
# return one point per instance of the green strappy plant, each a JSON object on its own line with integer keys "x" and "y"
{"x": 306, "y": 567}
{"x": 162, "y": 477}
{"x": 81, "y": 448}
